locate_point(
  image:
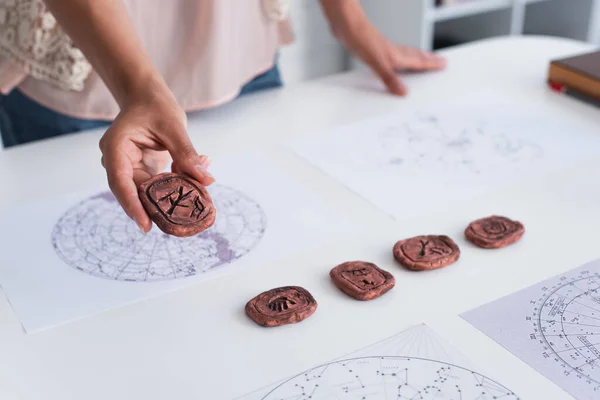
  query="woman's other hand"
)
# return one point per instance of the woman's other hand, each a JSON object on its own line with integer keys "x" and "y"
{"x": 352, "y": 28}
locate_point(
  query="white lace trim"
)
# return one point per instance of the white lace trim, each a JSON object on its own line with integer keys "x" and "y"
{"x": 30, "y": 36}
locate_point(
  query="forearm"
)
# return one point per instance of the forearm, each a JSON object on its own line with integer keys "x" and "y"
{"x": 104, "y": 33}
{"x": 343, "y": 15}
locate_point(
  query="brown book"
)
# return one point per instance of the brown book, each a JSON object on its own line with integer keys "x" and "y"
{"x": 577, "y": 74}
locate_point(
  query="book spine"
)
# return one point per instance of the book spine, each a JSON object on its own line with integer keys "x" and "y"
{"x": 559, "y": 88}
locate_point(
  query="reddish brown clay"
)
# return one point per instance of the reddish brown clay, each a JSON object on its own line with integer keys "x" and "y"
{"x": 177, "y": 204}
{"x": 281, "y": 306}
{"x": 494, "y": 232}
{"x": 362, "y": 280}
{"x": 426, "y": 252}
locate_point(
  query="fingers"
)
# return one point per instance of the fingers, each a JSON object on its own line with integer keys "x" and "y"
{"x": 389, "y": 78}
{"x": 409, "y": 58}
{"x": 434, "y": 61}
{"x": 186, "y": 160}
{"x": 204, "y": 161}
{"x": 120, "y": 175}
{"x": 377, "y": 58}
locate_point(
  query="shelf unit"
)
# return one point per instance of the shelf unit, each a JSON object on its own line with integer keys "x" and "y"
{"x": 466, "y": 9}
{"x": 421, "y": 24}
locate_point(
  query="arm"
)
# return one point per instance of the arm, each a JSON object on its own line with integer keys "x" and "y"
{"x": 103, "y": 32}
{"x": 350, "y": 26}
{"x": 150, "y": 122}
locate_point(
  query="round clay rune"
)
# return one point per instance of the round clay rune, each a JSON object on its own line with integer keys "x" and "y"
{"x": 281, "y": 306}
{"x": 362, "y": 280}
{"x": 494, "y": 232}
{"x": 426, "y": 252}
{"x": 177, "y": 204}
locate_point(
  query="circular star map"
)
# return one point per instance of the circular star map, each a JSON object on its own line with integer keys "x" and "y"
{"x": 566, "y": 321}
{"x": 98, "y": 238}
{"x": 390, "y": 378}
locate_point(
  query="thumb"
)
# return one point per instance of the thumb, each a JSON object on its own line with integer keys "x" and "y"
{"x": 186, "y": 159}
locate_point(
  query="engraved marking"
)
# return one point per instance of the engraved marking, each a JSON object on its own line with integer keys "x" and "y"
{"x": 174, "y": 203}
{"x": 198, "y": 208}
{"x": 495, "y": 227}
{"x": 281, "y": 304}
{"x": 439, "y": 251}
{"x": 423, "y": 247}
{"x": 359, "y": 272}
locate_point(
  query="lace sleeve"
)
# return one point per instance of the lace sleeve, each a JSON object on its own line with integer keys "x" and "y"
{"x": 31, "y": 38}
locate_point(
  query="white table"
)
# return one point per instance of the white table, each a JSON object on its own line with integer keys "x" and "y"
{"x": 197, "y": 343}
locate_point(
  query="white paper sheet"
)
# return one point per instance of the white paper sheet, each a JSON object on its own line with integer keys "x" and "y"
{"x": 554, "y": 326}
{"x": 85, "y": 255}
{"x": 414, "y": 364}
{"x": 417, "y": 160}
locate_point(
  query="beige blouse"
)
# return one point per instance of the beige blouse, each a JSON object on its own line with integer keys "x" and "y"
{"x": 206, "y": 50}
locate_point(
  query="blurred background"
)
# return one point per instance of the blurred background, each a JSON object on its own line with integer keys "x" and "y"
{"x": 433, "y": 24}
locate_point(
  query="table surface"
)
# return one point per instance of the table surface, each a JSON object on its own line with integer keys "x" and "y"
{"x": 196, "y": 343}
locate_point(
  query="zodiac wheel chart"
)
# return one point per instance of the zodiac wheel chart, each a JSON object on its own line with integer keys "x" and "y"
{"x": 387, "y": 378}
{"x": 96, "y": 237}
{"x": 566, "y": 324}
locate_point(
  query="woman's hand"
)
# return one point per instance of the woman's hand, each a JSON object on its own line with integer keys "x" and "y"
{"x": 151, "y": 126}
{"x": 351, "y": 27}
{"x": 139, "y": 145}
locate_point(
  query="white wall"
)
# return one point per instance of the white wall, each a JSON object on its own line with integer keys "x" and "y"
{"x": 315, "y": 52}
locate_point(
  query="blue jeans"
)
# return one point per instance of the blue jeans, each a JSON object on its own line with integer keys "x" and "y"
{"x": 22, "y": 120}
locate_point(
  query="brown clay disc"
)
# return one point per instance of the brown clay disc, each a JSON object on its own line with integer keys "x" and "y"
{"x": 494, "y": 232}
{"x": 178, "y": 204}
{"x": 281, "y": 306}
{"x": 362, "y": 280}
{"x": 426, "y": 252}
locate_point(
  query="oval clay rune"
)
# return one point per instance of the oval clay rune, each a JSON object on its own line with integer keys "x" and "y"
{"x": 362, "y": 280}
{"x": 280, "y": 306}
{"x": 494, "y": 232}
{"x": 426, "y": 252}
{"x": 177, "y": 204}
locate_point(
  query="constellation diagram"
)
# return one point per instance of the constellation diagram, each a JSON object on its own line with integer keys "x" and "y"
{"x": 468, "y": 151}
{"x": 454, "y": 144}
{"x": 388, "y": 378}
{"x": 98, "y": 238}
{"x": 433, "y": 142}
{"x": 369, "y": 374}
{"x": 560, "y": 336}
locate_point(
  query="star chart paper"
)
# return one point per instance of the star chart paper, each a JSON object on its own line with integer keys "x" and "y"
{"x": 86, "y": 256}
{"x": 417, "y": 160}
{"x": 554, "y": 326}
{"x": 414, "y": 364}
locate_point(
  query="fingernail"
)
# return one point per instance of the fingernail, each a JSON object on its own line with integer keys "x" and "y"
{"x": 205, "y": 162}
{"x": 140, "y": 226}
{"x": 204, "y": 172}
